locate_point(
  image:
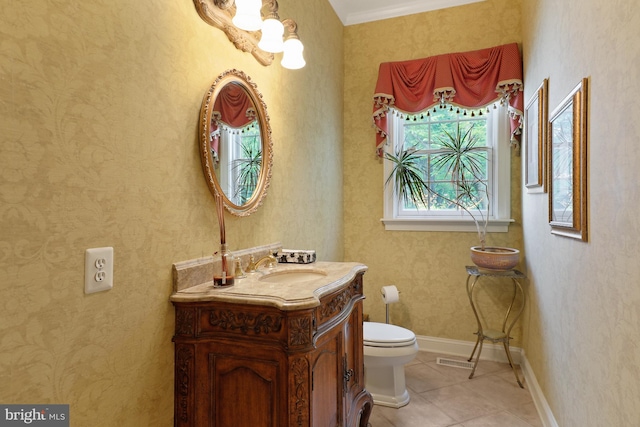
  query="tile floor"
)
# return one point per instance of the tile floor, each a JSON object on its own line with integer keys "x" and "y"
{"x": 445, "y": 396}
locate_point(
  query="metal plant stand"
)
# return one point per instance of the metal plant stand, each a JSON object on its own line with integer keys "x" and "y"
{"x": 493, "y": 335}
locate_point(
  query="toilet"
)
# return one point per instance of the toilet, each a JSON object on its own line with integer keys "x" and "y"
{"x": 387, "y": 348}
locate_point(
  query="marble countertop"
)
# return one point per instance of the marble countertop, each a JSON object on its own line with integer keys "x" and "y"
{"x": 283, "y": 295}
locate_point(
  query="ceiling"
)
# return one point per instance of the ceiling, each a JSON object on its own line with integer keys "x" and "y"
{"x": 353, "y": 12}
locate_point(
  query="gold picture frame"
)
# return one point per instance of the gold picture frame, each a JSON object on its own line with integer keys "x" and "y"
{"x": 535, "y": 137}
{"x": 567, "y": 164}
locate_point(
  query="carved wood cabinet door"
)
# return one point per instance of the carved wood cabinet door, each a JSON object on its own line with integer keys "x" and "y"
{"x": 245, "y": 391}
{"x": 326, "y": 381}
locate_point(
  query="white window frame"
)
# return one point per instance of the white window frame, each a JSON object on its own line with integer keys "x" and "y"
{"x": 228, "y": 143}
{"x": 498, "y": 135}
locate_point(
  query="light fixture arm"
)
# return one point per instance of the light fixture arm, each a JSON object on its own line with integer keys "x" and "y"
{"x": 291, "y": 27}
{"x": 219, "y": 13}
{"x": 272, "y": 8}
{"x": 224, "y": 4}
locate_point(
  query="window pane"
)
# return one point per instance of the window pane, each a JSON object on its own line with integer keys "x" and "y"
{"x": 446, "y": 194}
{"x": 438, "y": 133}
{"x": 416, "y": 135}
{"x": 440, "y": 114}
{"x": 433, "y": 136}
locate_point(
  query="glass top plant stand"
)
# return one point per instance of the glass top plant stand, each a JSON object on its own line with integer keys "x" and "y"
{"x": 510, "y": 318}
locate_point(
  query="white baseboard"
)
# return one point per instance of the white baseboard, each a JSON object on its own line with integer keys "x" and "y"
{"x": 546, "y": 415}
{"x": 494, "y": 352}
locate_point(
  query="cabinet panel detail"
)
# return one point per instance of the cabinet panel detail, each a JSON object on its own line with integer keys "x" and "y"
{"x": 300, "y": 331}
{"x": 337, "y": 302}
{"x": 183, "y": 384}
{"x": 185, "y": 321}
{"x": 299, "y": 380}
{"x": 245, "y": 322}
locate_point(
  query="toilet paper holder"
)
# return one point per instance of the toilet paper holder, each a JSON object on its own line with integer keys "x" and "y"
{"x": 390, "y": 294}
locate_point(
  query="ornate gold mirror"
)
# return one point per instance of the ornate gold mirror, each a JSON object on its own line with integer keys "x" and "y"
{"x": 235, "y": 142}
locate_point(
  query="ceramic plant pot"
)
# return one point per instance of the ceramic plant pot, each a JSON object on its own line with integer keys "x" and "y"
{"x": 495, "y": 258}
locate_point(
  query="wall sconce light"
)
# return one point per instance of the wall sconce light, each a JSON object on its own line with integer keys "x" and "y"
{"x": 247, "y": 16}
{"x": 292, "y": 46}
{"x": 241, "y": 21}
{"x": 272, "y": 31}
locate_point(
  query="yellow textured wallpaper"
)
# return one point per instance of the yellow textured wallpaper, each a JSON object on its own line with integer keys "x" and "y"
{"x": 427, "y": 267}
{"x": 582, "y": 341}
{"x": 99, "y": 104}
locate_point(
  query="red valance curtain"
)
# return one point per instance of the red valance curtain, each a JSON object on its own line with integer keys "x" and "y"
{"x": 470, "y": 80}
{"x": 233, "y": 108}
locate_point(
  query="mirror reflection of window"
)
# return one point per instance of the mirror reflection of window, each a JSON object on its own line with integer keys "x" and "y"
{"x": 240, "y": 158}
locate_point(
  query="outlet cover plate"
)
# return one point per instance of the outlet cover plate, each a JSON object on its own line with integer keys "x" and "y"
{"x": 98, "y": 270}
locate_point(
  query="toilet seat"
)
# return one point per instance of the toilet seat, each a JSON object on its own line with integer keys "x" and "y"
{"x": 387, "y": 336}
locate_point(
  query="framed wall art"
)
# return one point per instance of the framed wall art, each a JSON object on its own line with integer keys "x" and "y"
{"x": 567, "y": 164}
{"x": 535, "y": 138}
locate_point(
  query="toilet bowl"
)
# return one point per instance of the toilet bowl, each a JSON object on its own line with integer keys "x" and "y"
{"x": 387, "y": 348}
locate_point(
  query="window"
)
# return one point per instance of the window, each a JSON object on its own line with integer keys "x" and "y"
{"x": 425, "y": 134}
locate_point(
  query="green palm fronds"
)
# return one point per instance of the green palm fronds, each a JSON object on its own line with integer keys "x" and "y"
{"x": 407, "y": 176}
{"x": 248, "y": 167}
{"x": 464, "y": 161}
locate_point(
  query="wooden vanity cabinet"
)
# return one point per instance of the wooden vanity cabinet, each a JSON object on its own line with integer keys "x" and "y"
{"x": 247, "y": 365}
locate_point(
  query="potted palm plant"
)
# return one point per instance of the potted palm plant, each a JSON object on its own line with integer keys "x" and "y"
{"x": 463, "y": 160}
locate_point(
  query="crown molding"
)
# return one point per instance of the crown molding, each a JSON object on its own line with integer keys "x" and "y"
{"x": 353, "y": 12}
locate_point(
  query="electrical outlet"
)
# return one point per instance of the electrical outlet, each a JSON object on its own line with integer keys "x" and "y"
{"x": 98, "y": 270}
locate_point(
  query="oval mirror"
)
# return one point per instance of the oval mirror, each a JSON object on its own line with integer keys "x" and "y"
{"x": 235, "y": 142}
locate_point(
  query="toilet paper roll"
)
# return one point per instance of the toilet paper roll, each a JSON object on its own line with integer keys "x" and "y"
{"x": 390, "y": 294}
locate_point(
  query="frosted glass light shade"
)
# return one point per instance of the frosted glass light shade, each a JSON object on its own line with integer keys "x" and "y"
{"x": 272, "y": 32}
{"x": 292, "y": 57}
{"x": 248, "y": 15}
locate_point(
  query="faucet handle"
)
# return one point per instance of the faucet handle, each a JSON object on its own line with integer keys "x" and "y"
{"x": 252, "y": 264}
{"x": 239, "y": 273}
{"x": 271, "y": 261}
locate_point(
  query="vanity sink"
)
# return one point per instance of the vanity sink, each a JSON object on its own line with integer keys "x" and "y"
{"x": 285, "y": 286}
{"x": 293, "y": 276}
